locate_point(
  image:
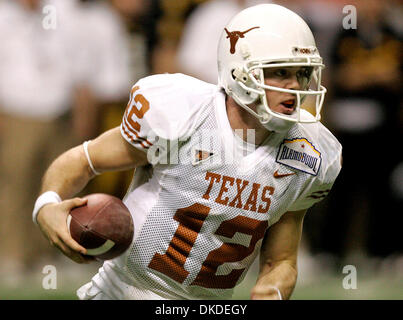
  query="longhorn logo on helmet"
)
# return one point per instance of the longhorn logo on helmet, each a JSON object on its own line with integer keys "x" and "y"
{"x": 235, "y": 35}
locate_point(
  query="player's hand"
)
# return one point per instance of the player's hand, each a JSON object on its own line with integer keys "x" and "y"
{"x": 52, "y": 220}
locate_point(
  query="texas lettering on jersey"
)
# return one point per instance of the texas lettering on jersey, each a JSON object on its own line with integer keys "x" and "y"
{"x": 251, "y": 199}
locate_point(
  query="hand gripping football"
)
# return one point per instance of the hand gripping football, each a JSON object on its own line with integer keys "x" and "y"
{"x": 103, "y": 226}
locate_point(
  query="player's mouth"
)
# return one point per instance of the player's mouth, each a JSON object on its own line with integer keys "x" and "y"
{"x": 288, "y": 106}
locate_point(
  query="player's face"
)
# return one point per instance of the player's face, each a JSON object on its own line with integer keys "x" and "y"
{"x": 293, "y": 78}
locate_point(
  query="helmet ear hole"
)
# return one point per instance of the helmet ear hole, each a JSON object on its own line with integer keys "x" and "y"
{"x": 232, "y": 74}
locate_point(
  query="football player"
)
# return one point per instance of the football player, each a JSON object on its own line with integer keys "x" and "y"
{"x": 205, "y": 208}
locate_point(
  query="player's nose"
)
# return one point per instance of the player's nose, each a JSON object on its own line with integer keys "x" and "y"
{"x": 292, "y": 82}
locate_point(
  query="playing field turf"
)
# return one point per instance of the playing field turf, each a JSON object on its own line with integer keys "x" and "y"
{"x": 383, "y": 282}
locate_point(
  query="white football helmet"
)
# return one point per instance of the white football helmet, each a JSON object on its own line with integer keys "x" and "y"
{"x": 267, "y": 36}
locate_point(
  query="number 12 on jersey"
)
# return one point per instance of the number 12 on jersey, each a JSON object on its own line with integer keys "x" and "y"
{"x": 190, "y": 221}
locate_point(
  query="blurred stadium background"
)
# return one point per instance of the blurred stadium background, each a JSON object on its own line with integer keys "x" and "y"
{"x": 66, "y": 69}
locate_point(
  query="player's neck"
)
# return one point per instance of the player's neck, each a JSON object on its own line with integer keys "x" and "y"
{"x": 240, "y": 119}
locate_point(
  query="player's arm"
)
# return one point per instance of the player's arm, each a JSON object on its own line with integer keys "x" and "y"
{"x": 278, "y": 258}
{"x": 70, "y": 173}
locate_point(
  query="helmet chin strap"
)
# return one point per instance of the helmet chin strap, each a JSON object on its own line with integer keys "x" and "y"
{"x": 273, "y": 123}
{"x": 268, "y": 121}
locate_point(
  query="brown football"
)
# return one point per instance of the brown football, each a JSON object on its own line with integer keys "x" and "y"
{"x": 103, "y": 226}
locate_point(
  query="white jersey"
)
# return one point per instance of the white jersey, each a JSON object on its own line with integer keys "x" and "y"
{"x": 202, "y": 209}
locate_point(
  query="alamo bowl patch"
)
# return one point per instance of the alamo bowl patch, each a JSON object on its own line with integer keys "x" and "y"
{"x": 299, "y": 154}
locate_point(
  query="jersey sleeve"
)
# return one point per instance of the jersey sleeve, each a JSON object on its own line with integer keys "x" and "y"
{"x": 135, "y": 128}
{"x": 162, "y": 107}
{"x": 318, "y": 187}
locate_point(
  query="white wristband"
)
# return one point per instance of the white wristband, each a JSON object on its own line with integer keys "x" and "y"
{"x": 44, "y": 198}
{"x": 85, "y": 145}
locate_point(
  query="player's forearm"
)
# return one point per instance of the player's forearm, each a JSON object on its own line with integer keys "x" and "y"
{"x": 68, "y": 174}
{"x": 275, "y": 279}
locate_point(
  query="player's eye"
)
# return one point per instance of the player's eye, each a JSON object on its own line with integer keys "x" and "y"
{"x": 277, "y": 73}
{"x": 281, "y": 73}
{"x": 304, "y": 73}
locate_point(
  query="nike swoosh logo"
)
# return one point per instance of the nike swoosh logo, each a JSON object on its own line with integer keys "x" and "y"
{"x": 278, "y": 175}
